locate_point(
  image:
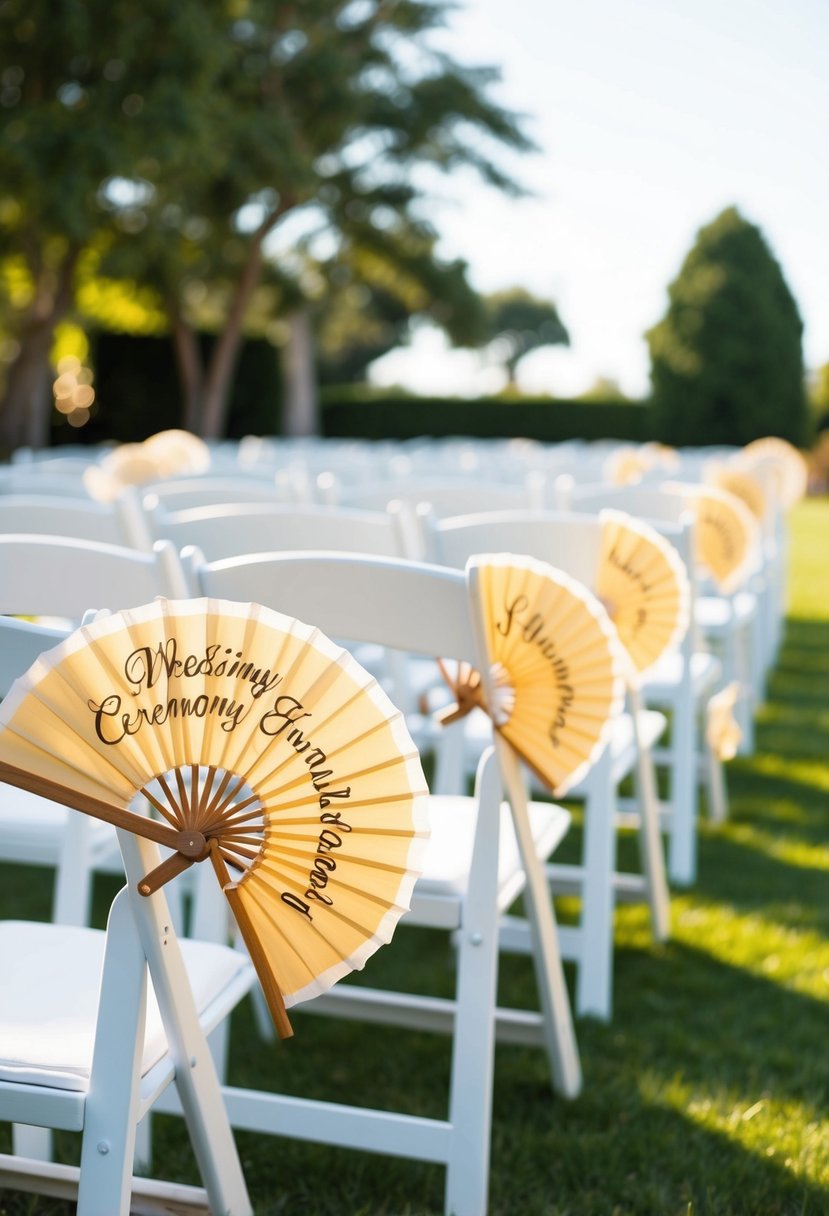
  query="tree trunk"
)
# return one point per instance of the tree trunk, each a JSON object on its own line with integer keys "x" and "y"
{"x": 216, "y": 393}
{"x": 300, "y": 406}
{"x": 26, "y": 412}
{"x": 27, "y": 408}
{"x": 190, "y": 369}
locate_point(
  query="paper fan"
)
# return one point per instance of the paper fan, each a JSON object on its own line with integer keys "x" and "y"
{"x": 263, "y": 747}
{"x": 741, "y": 483}
{"x": 793, "y": 471}
{"x": 643, "y": 584}
{"x": 555, "y": 677}
{"x": 625, "y": 466}
{"x": 177, "y": 452}
{"x": 726, "y": 534}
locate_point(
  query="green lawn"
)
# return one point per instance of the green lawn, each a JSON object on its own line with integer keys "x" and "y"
{"x": 708, "y": 1095}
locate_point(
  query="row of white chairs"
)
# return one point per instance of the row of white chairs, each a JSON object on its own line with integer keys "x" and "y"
{"x": 486, "y": 852}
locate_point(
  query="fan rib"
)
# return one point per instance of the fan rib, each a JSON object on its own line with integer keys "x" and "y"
{"x": 173, "y": 819}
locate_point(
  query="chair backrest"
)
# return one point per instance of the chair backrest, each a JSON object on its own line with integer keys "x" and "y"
{"x": 181, "y": 494}
{"x": 55, "y": 576}
{"x": 569, "y": 541}
{"x": 21, "y": 642}
{"x": 121, "y": 522}
{"x": 236, "y": 528}
{"x": 403, "y": 605}
{"x": 646, "y": 501}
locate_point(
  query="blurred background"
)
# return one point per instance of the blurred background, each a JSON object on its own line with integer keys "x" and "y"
{"x": 402, "y": 218}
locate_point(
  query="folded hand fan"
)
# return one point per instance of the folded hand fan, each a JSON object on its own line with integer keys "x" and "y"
{"x": 740, "y": 483}
{"x": 722, "y": 731}
{"x": 793, "y": 471}
{"x": 643, "y": 584}
{"x": 262, "y": 746}
{"x": 554, "y": 681}
{"x": 726, "y": 534}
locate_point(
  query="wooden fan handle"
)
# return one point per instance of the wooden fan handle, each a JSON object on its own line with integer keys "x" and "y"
{"x": 175, "y": 864}
{"x": 273, "y": 995}
{"x": 150, "y": 829}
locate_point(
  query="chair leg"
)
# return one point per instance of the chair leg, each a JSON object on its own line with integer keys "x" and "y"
{"x": 650, "y": 835}
{"x": 682, "y": 842}
{"x": 470, "y": 1113}
{"x": 717, "y": 792}
{"x": 594, "y": 982}
{"x": 196, "y": 1080}
{"x": 108, "y": 1145}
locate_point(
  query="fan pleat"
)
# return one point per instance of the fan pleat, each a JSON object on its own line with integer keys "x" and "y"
{"x": 562, "y": 660}
{"x": 258, "y": 730}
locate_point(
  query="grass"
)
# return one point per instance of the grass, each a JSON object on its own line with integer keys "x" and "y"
{"x": 708, "y": 1094}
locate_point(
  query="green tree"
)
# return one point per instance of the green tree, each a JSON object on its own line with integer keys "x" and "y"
{"x": 379, "y": 281}
{"x": 325, "y": 113}
{"x": 92, "y": 95}
{"x": 519, "y": 322}
{"x": 726, "y": 359}
{"x": 184, "y": 135}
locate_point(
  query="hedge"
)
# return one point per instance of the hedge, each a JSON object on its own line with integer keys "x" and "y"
{"x": 355, "y": 413}
{"x": 138, "y": 391}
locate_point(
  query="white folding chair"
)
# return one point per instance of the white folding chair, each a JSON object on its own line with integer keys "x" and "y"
{"x": 483, "y": 854}
{"x": 121, "y": 522}
{"x": 55, "y": 577}
{"x": 230, "y": 529}
{"x": 443, "y": 495}
{"x": 184, "y": 493}
{"x": 572, "y": 544}
{"x": 88, "y": 1046}
{"x": 728, "y": 625}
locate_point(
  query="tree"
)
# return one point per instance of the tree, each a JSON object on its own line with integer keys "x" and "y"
{"x": 519, "y": 322}
{"x": 186, "y": 134}
{"x": 92, "y": 96}
{"x": 726, "y": 359}
{"x": 324, "y": 114}
{"x": 379, "y": 282}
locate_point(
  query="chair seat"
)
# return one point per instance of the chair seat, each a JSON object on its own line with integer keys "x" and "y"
{"x": 50, "y": 1043}
{"x": 32, "y": 830}
{"x": 665, "y": 677}
{"x": 449, "y": 852}
{"x": 622, "y": 745}
{"x": 715, "y": 614}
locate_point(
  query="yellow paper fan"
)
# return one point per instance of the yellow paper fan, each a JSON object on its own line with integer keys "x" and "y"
{"x": 264, "y": 748}
{"x": 555, "y": 664}
{"x": 740, "y": 483}
{"x": 793, "y": 471}
{"x": 643, "y": 584}
{"x": 726, "y": 534}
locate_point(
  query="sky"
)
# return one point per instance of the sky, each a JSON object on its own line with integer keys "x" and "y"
{"x": 651, "y": 117}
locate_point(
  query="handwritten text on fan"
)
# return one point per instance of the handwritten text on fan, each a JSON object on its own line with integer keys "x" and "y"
{"x": 531, "y": 626}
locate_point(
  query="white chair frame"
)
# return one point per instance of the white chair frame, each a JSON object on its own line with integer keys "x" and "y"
{"x": 571, "y": 543}
{"x": 119, "y": 1090}
{"x": 426, "y": 611}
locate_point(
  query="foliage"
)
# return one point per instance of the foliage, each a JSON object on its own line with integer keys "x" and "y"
{"x": 379, "y": 281}
{"x": 726, "y": 359}
{"x": 371, "y": 414}
{"x": 137, "y": 390}
{"x": 93, "y": 95}
{"x": 181, "y": 137}
{"x": 819, "y": 398}
{"x": 519, "y": 322}
{"x": 706, "y": 1094}
{"x": 322, "y": 115}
